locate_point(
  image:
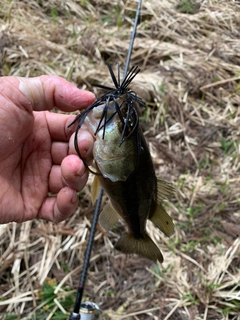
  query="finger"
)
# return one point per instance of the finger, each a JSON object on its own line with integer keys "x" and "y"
{"x": 58, "y": 125}
{"x": 59, "y": 151}
{"x": 71, "y": 173}
{"x": 64, "y": 95}
{"x": 85, "y": 145}
{"x": 74, "y": 173}
{"x": 45, "y": 93}
{"x": 56, "y": 182}
{"x": 59, "y": 208}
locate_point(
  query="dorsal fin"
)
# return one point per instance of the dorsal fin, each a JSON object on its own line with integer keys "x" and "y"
{"x": 164, "y": 190}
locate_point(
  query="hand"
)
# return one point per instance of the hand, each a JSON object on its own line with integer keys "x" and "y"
{"x": 37, "y": 154}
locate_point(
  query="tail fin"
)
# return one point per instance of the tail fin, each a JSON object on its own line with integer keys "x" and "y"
{"x": 143, "y": 246}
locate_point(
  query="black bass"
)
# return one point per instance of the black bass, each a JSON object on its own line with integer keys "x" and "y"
{"x": 125, "y": 171}
{"x": 128, "y": 178}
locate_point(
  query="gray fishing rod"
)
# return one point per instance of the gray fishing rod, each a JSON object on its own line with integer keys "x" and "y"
{"x": 85, "y": 311}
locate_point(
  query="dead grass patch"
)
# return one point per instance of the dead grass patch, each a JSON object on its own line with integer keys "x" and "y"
{"x": 190, "y": 79}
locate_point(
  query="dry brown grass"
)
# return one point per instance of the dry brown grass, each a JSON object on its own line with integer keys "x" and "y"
{"x": 190, "y": 80}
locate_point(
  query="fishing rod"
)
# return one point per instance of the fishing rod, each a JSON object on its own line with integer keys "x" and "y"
{"x": 85, "y": 311}
{"x": 132, "y": 39}
{"x": 75, "y": 314}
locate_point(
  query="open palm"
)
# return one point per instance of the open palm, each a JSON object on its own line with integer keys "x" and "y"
{"x": 37, "y": 156}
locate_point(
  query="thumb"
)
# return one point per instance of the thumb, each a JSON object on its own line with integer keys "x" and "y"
{"x": 45, "y": 93}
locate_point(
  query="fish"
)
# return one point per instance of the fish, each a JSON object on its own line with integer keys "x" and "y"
{"x": 125, "y": 170}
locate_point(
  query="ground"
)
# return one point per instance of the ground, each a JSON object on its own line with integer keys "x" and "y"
{"x": 189, "y": 55}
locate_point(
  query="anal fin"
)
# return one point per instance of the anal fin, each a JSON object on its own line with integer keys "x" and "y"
{"x": 161, "y": 219}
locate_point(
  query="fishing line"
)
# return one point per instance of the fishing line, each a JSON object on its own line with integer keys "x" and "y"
{"x": 127, "y": 78}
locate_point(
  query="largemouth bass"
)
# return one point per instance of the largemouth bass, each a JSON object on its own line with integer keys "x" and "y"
{"x": 126, "y": 173}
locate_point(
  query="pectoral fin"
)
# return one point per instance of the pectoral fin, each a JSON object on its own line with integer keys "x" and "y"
{"x": 164, "y": 190}
{"x": 108, "y": 217}
{"x": 162, "y": 220}
{"x": 143, "y": 246}
{"x": 95, "y": 189}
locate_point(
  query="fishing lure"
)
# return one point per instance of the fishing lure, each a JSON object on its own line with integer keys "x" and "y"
{"x": 118, "y": 97}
